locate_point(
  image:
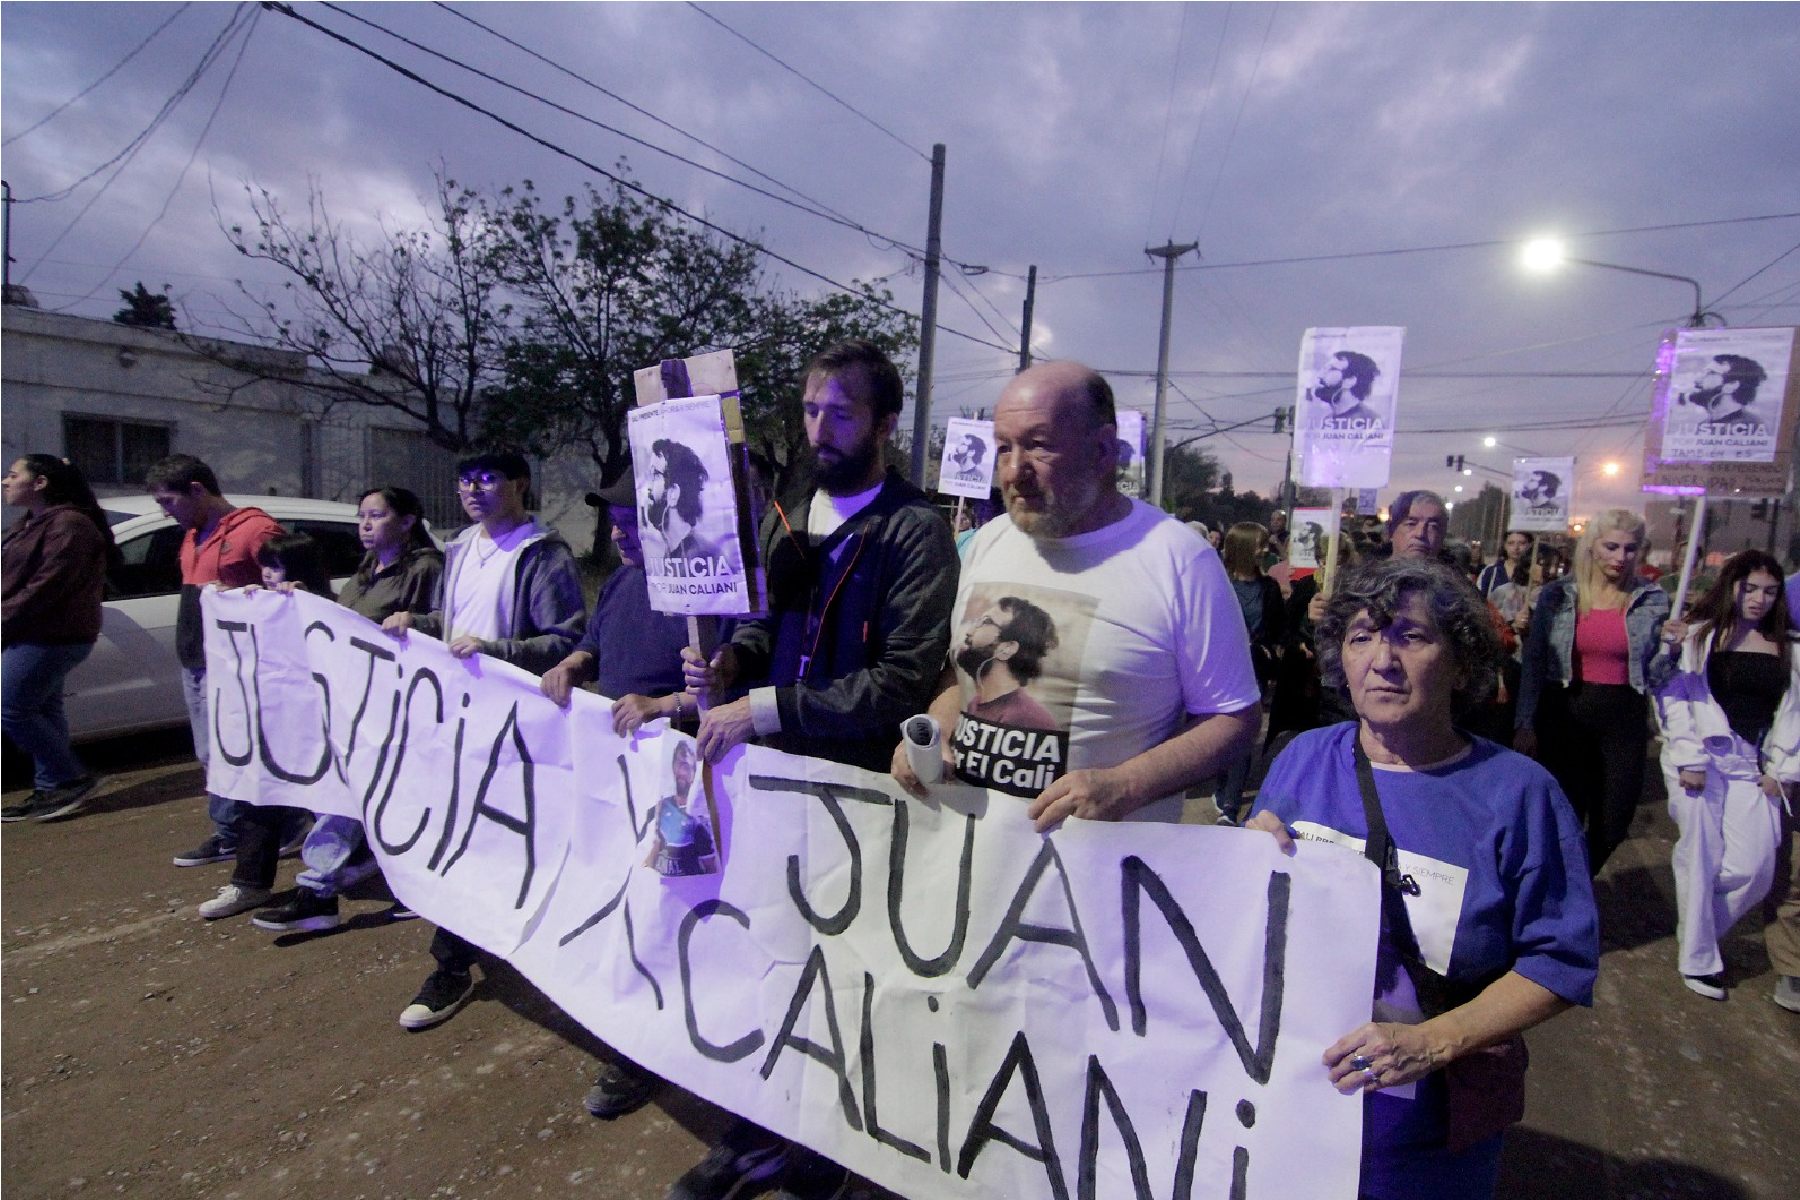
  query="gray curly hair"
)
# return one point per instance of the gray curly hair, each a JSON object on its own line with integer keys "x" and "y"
{"x": 1382, "y": 589}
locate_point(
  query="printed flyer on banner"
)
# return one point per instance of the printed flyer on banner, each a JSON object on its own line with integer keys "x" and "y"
{"x": 1541, "y": 488}
{"x": 967, "y": 468}
{"x": 687, "y": 515}
{"x": 1306, "y": 544}
{"x": 1134, "y": 463}
{"x": 1349, "y": 387}
{"x": 1726, "y": 390}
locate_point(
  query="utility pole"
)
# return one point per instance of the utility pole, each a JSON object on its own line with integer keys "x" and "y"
{"x": 6, "y": 203}
{"x": 928, "y": 318}
{"x": 1168, "y": 253}
{"x": 1025, "y": 325}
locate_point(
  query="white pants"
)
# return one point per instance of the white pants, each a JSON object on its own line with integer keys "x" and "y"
{"x": 1725, "y": 858}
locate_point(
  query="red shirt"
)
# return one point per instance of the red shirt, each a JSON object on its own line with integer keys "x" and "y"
{"x": 228, "y": 556}
{"x": 1602, "y": 649}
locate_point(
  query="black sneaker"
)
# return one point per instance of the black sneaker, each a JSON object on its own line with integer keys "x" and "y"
{"x": 620, "y": 1088}
{"x": 443, "y": 995}
{"x": 214, "y": 849}
{"x": 305, "y": 913}
{"x": 812, "y": 1177}
{"x": 729, "y": 1169}
{"x": 30, "y": 806}
{"x": 67, "y": 800}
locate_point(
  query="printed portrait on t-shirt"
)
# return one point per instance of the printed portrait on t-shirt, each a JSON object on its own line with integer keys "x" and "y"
{"x": 1017, "y": 652}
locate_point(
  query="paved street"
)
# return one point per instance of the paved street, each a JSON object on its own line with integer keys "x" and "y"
{"x": 147, "y": 1053}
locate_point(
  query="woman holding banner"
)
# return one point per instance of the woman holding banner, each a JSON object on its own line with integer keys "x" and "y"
{"x": 400, "y": 573}
{"x": 1591, "y": 662}
{"x": 1488, "y": 922}
{"x": 1731, "y": 730}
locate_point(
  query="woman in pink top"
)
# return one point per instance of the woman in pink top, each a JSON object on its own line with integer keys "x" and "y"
{"x": 1592, "y": 660}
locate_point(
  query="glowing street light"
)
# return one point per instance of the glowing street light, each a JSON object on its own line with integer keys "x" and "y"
{"x": 1545, "y": 254}
{"x": 1609, "y": 469}
{"x": 1490, "y": 441}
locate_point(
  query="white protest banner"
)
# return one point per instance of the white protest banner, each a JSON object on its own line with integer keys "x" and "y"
{"x": 932, "y": 994}
{"x": 1349, "y": 387}
{"x": 687, "y": 512}
{"x": 1306, "y": 542}
{"x": 967, "y": 468}
{"x": 1727, "y": 386}
{"x": 1134, "y": 464}
{"x": 1541, "y": 492}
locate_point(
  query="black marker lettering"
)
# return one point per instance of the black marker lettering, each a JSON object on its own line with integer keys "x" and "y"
{"x": 1014, "y": 925}
{"x": 943, "y": 964}
{"x": 745, "y": 1045}
{"x": 524, "y": 826}
{"x": 1138, "y": 880}
{"x": 866, "y": 1051}
{"x": 982, "y": 1129}
{"x": 831, "y": 1057}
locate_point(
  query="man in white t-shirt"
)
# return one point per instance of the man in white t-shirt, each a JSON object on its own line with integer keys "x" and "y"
{"x": 1148, "y": 678}
{"x": 510, "y": 590}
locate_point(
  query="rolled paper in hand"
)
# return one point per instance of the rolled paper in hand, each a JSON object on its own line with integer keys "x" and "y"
{"x": 924, "y": 739}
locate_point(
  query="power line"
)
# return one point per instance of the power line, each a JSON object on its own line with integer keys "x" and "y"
{"x": 115, "y": 69}
{"x": 1355, "y": 254}
{"x": 124, "y": 158}
{"x": 243, "y": 45}
{"x": 1237, "y": 118}
{"x": 1212, "y": 74}
{"x": 811, "y": 83}
{"x": 665, "y": 204}
{"x": 137, "y": 143}
{"x": 641, "y": 111}
{"x": 1162, "y": 146}
{"x": 1746, "y": 279}
{"x": 821, "y": 213}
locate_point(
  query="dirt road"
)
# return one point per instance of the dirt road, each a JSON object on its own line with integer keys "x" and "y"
{"x": 148, "y": 1053}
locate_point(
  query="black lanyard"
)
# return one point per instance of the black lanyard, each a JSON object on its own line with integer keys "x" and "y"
{"x": 1437, "y": 994}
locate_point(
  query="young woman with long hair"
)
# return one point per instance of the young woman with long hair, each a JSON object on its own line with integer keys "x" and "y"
{"x": 1731, "y": 741}
{"x": 55, "y": 559}
{"x": 1592, "y": 660}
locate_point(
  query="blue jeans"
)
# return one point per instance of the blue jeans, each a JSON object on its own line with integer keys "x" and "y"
{"x": 223, "y": 812}
{"x": 33, "y": 708}
{"x": 334, "y": 843}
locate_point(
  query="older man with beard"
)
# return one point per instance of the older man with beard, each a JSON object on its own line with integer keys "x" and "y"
{"x": 1152, "y": 684}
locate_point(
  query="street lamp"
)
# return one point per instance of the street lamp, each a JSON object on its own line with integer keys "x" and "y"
{"x": 1546, "y": 254}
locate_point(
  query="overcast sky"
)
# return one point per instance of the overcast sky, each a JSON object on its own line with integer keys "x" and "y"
{"x": 1077, "y": 135}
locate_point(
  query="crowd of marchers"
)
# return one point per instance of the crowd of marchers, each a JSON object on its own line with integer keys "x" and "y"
{"x": 1481, "y": 738}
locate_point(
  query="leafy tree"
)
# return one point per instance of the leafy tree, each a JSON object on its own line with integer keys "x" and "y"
{"x": 146, "y": 309}
{"x": 415, "y": 322}
{"x": 613, "y": 283}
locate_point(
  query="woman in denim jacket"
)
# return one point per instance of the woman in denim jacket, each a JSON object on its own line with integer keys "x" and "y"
{"x": 1731, "y": 740}
{"x": 1594, "y": 656}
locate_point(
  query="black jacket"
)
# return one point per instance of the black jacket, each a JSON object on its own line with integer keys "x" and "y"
{"x": 853, "y": 643}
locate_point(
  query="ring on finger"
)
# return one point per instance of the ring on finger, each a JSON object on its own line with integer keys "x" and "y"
{"x": 1373, "y": 1076}
{"x": 1359, "y": 1063}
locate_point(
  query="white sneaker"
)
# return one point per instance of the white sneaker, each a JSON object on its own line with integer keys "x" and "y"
{"x": 1711, "y": 986}
{"x": 233, "y": 899}
{"x": 1787, "y": 992}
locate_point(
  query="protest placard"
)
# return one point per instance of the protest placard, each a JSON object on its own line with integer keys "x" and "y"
{"x": 1348, "y": 392}
{"x": 1541, "y": 492}
{"x": 1134, "y": 465}
{"x": 967, "y": 467}
{"x": 1307, "y": 537}
{"x": 688, "y": 521}
{"x": 932, "y": 994}
{"x": 1723, "y": 412}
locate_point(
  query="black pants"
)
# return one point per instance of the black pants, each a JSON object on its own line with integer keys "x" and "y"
{"x": 262, "y": 829}
{"x": 453, "y": 954}
{"x": 1593, "y": 737}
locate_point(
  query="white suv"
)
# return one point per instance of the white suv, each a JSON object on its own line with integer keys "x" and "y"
{"x": 132, "y": 680}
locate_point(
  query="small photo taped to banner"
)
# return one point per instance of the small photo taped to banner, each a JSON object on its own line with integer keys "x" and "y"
{"x": 681, "y": 840}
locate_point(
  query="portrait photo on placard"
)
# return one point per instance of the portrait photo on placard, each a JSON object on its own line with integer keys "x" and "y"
{"x": 1725, "y": 389}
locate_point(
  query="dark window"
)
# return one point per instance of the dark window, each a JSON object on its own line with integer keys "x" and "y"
{"x": 151, "y": 566}
{"x": 113, "y": 452}
{"x": 343, "y": 548}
